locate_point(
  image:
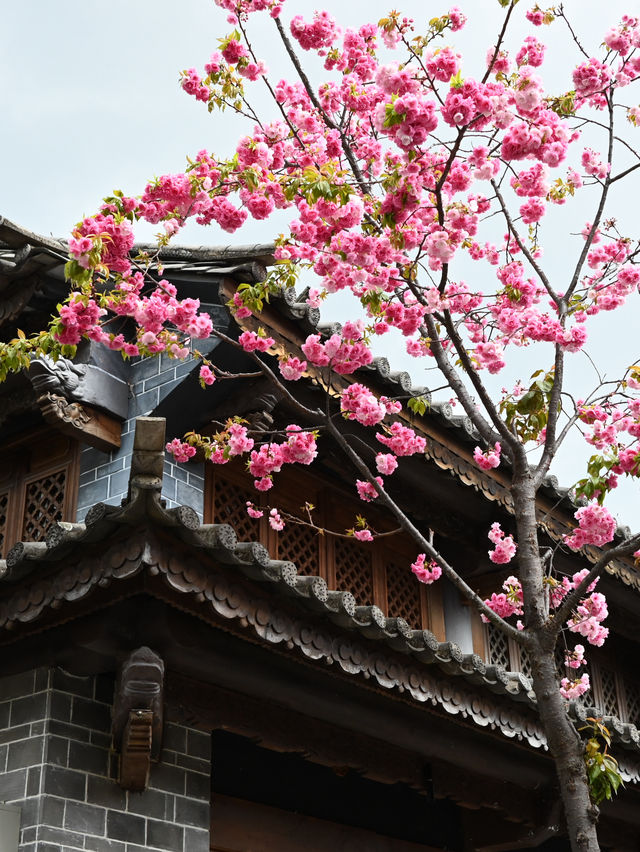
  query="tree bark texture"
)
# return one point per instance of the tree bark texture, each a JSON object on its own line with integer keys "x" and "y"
{"x": 565, "y": 744}
{"x": 567, "y": 749}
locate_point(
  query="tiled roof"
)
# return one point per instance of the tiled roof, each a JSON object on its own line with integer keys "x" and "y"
{"x": 441, "y": 415}
{"x": 389, "y": 652}
{"x": 23, "y": 251}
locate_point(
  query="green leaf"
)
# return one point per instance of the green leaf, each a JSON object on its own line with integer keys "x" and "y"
{"x": 418, "y": 404}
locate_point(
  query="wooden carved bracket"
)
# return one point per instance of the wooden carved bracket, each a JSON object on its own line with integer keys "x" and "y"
{"x": 137, "y": 717}
{"x": 82, "y": 422}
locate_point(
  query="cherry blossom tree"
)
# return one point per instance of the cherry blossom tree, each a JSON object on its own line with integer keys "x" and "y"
{"x": 401, "y": 173}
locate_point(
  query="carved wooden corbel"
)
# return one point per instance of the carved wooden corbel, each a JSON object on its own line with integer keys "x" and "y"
{"x": 81, "y": 422}
{"x": 137, "y": 717}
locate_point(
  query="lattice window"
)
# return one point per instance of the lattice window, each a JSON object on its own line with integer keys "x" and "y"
{"x": 230, "y": 507}
{"x": 608, "y": 692}
{"x": 632, "y": 691}
{"x": 4, "y": 507}
{"x": 44, "y": 504}
{"x": 354, "y": 570}
{"x": 301, "y": 545}
{"x": 498, "y": 646}
{"x": 38, "y": 486}
{"x": 525, "y": 663}
{"x": 403, "y": 594}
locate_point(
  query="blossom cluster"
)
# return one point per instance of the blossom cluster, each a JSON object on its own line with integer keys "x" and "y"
{"x": 505, "y": 547}
{"x": 488, "y": 459}
{"x": 574, "y": 688}
{"x": 596, "y": 526}
{"x": 428, "y": 574}
{"x": 345, "y": 352}
{"x": 300, "y": 447}
{"x": 508, "y": 602}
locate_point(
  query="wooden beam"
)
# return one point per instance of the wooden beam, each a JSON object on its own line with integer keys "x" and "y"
{"x": 276, "y": 727}
{"x": 237, "y": 824}
{"x": 81, "y": 422}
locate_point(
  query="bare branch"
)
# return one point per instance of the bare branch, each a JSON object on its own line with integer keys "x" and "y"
{"x": 624, "y": 173}
{"x": 599, "y": 212}
{"x": 522, "y": 245}
{"x": 550, "y": 445}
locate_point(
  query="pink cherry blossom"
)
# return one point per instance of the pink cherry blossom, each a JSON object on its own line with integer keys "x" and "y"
{"x": 570, "y": 689}
{"x": 488, "y": 459}
{"x": 402, "y": 440}
{"x": 252, "y": 342}
{"x": 275, "y": 521}
{"x": 292, "y": 368}
{"x": 505, "y": 546}
{"x": 426, "y": 575}
{"x": 535, "y": 16}
{"x": 363, "y": 535}
{"x": 359, "y": 403}
{"x": 574, "y": 659}
{"x": 366, "y": 490}
{"x": 319, "y": 34}
{"x": 206, "y": 375}
{"x": 386, "y": 463}
{"x": 596, "y": 526}
{"x": 180, "y": 450}
{"x": 252, "y": 511}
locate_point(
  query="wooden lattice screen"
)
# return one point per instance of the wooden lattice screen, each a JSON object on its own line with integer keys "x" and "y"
{"x": 301, "y": 545}
{"x": 498, "y": 647}
{"x": 632, "y": 693}
{"x": 525, "y": 663}
{"x": 607, "y": 694}
{"x": 230, "y": 507}
{"x": 354, "y": 570}
{"x": 378, "y": 573}
{"x": 43, "y": 504}
{"x": 403, "y": 594}
{"x": 38, "y": 486}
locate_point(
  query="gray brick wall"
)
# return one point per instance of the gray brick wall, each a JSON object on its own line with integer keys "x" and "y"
{"x": 104, "y": 476}
{"x": 57, "y": 765}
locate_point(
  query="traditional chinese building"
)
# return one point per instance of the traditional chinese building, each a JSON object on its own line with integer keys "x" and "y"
{"x": 175, "y": 675}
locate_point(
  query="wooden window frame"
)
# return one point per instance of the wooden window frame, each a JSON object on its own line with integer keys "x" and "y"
{"x": 294, "y": 487}
{"x": 598, "y": 691}
{"x": 31, "y": 460}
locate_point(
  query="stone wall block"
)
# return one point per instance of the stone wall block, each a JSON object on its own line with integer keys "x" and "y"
{"x": 58, "y": 765}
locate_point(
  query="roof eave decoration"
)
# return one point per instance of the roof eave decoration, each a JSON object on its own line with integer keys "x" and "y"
{"x": 555, "y": 506}
{"x": 320, "y": 623}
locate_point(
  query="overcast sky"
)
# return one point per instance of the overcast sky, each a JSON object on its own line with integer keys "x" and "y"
{"x": 91, "y": 102}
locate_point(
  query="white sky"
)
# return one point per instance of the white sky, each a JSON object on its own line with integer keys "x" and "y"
{"x": 90, "y": 102}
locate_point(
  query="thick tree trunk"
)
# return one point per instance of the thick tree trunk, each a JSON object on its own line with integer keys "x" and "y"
{"x": 564, "y": 741}
{"x": 566, "y": 748}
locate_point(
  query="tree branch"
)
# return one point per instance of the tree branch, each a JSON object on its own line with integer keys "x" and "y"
{"x": 594, "y": 226}
{"x": 522, "y": 245}
{"x": 550, "y": 446}
{"x": 268, "y": 372}
{"x": 573, "y": 598}
{"x": 450, "y": 573}
{"x": 348, "y": 152}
